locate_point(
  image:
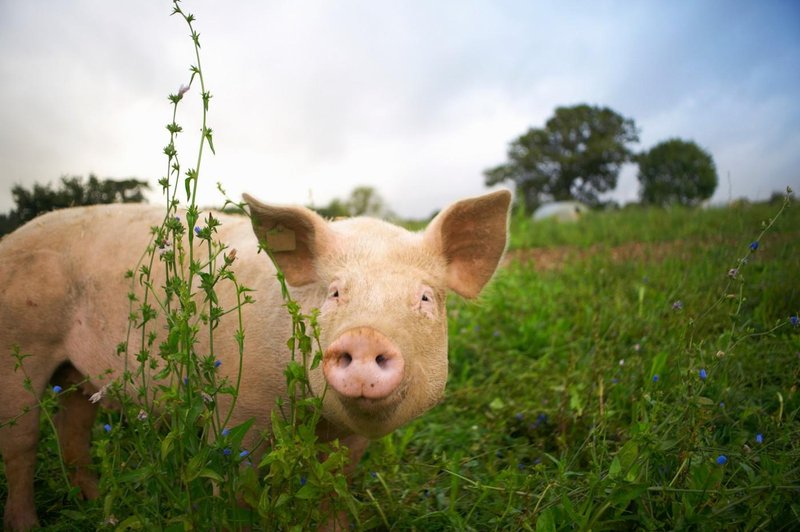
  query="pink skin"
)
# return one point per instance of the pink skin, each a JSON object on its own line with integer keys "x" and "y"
{"x": 364, "y": 363}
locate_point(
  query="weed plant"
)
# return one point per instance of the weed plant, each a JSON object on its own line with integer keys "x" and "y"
{"x": 168, "y": 457}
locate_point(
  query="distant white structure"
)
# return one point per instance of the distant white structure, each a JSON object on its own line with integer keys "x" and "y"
{"x": 563, "y": 211}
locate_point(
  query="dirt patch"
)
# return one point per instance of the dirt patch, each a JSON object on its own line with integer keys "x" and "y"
{"x": 554, "y": 258}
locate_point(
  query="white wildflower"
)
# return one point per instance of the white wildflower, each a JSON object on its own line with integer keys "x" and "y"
{"x": 98, "y": 396}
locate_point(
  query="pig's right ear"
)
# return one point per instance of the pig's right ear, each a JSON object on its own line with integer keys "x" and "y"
{"x": 294, "y": 235}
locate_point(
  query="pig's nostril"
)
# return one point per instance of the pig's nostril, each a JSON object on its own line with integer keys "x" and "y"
{"x": 381, "y": 361}
{"x": 345, "y": 360}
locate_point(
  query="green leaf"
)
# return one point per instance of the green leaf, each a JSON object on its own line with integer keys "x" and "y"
{"x": 131, "y": 523}
{"x": 195, "y": 466}
{"x": 497, "y": 404}
{"x": 546, "y": 521}
{"x": 705, "y": 401}
{"x": 307, "y": 492}
{"x": 657, "y": 367}
{"x": 623, "y": 462}
{"x": 134, "y": 475}
{"x": 210, "y": 473}
{"x": 167, "y": 444}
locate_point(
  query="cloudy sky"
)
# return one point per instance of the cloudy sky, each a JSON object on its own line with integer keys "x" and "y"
{"x": 415, "y": 98}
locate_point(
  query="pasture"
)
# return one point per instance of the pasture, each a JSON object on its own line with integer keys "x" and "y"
{"x": 616, "y": 374}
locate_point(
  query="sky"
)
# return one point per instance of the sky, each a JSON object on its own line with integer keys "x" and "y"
{"x": 415, "y": 98}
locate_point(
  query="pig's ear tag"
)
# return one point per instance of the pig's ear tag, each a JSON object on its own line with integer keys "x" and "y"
{"x": 280, "y": 238}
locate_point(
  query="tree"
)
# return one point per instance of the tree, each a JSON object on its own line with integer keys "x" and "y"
{"x": 73, "y": 192}
{"x": 363, "y": 201}
{"x": 578, "y": 155}
{"x": 335, "y": 209}
{"x": 676, "y": 172}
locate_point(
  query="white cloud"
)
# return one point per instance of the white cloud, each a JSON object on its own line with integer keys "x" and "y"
{"x": 415, "y": 98}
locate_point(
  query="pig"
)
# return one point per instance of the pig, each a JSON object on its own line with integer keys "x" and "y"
{"x": 380, "y": 289}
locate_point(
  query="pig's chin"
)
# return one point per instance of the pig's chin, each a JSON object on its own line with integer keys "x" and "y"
{"x": 373, "y": 418}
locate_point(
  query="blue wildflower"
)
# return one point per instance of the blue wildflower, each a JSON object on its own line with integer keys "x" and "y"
{"x": 226, "y": 451}
{"x": 302, "y": 481}
{"x": 217, "y": 363}
{"x": 186, "y": 380}
{"x": 759, "y": 438}
{"x": 721, "y": 404}
{"x": 244, "y": 453}
{"x": 655, "y": 377}
{"x": 225, "y": 432}
{"x": 677, "y": 305}
{"x": 703, "y": 374}
{"x": 754, "y": 245}
{"x": 107, "y": 427}
{"x": 196, "y": 230}
{"x": 794, "y": 320}
{"x": 374, "y": 474}
{"x": 57, "y": 389}
{"x": 722, "y": 459}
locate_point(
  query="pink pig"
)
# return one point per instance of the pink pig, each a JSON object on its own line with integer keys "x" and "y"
{"x": 380, "y": 289}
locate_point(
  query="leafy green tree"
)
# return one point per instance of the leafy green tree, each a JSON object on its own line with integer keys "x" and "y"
{"x": 577, "y": 155}
{"x": 335, "y": 209}
{"x": 676, "y": 172}
{"x": 72, "y": 192}
{"x": 363, "y": 201}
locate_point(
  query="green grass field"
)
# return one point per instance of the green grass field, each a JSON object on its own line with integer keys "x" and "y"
{"x": 583, "y": 396}
{"x": 576, "y": 401}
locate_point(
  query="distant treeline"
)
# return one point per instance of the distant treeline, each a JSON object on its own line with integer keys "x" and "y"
{"x": 71, "y": 192}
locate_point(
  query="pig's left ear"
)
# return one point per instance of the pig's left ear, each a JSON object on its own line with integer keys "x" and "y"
{"x": 471, "y": 235}
{"x": 296, "y": 237}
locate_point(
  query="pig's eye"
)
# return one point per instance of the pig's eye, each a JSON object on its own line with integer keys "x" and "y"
{"x": 425, "y": 302}
{"x": 333, "y": 291}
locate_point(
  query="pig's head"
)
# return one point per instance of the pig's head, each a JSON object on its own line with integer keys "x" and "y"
{"x": 381, "y": 291}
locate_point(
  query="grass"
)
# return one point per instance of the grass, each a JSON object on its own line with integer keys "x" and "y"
{"x": 553, "y": 418}
{"x": 640, "y": 224}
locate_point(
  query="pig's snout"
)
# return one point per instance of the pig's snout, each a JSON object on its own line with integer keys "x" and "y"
{"x": 363, "y": 362}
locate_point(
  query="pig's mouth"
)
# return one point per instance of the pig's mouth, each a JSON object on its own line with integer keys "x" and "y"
{"x": 365, "y": 407}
